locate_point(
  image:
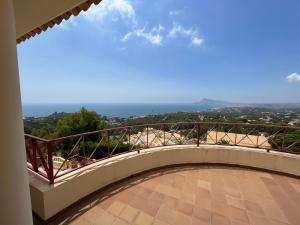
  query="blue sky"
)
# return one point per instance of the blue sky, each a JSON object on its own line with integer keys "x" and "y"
{"x": 167, "y": 51}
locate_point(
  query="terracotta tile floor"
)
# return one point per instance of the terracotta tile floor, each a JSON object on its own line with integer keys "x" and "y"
{"x": 193, "y": 195}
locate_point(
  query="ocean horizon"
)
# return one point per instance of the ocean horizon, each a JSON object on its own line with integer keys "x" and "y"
{"x": 114, "y": 110}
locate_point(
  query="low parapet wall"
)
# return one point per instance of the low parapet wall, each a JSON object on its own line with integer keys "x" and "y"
{"x": 47, "y": 200}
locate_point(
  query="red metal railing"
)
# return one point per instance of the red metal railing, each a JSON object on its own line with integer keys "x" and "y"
{"x": 53, "y": 158}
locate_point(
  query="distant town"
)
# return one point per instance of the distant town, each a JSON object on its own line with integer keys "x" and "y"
{"x": 251, "y": 115}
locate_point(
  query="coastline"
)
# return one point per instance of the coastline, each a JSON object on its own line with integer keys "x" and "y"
{"x": 113, "y": 110}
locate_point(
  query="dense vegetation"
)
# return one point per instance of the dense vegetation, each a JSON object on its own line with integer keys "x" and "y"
{"x": 79, "y": 122}
{"x": 43, "y": 126}
{"x": 63, "y": 124}
{"x": 285, "y": 140}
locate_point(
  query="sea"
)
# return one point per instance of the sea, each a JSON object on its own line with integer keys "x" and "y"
{"x": 113, "y": 110}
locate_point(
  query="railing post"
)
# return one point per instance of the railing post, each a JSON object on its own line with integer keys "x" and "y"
{"x": 268, "y": 150}
{"x": 108, "y": 144}
{"x": 198, "y": 134}
{"x": 235, "y": 136}
{"x": 164, "y": 128}
{"x": 265, "y": 129}
{"x": 217, "y": 126}
{"x": 257, "y": 137}
{"x": 129, "y": 138}
{"x": 50, "y": 162}
{"x": 34, "y": 159}
{"x": 147, "y": 136}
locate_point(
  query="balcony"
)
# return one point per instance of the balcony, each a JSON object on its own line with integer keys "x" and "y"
{"x": 45, "y": 156}
{"x": 199, "y": 195}
{"x": 218, "y": 161}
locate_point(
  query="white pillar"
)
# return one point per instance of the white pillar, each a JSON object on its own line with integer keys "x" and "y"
{"x": 15, "y": 207}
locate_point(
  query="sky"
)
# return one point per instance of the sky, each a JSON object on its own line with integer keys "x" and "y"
{"x": 167, "y": 51}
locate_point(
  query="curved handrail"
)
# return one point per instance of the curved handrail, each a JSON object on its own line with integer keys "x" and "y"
{"x": 112, "y": 141}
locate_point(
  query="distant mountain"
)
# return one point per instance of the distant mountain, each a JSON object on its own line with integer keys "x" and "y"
{"x": 211, "y": 103}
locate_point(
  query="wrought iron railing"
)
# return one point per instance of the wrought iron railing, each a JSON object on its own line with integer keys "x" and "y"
{"x": 55, "y": 157}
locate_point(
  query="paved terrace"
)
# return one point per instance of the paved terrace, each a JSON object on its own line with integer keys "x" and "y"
{"x": 192, "y": 195}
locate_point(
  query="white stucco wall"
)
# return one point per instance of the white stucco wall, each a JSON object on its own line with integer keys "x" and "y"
{"x": 48, "y": 200}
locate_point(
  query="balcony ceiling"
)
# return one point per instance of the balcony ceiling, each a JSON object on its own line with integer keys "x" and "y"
{"x": 36, "y": 16}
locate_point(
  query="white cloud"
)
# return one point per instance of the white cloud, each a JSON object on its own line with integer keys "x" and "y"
{"x": 157, "y": 29}
{"x": 191, "y": 33}
{"x": 174, "y": 12}
{"x": 293, "y": 78}
{"x": 197, "y": 41}
{"x": 115, "y": 8}
{"x": 153, "y": 36}
{"x": 179, "y": 30}
{"x": 157, "y": 35}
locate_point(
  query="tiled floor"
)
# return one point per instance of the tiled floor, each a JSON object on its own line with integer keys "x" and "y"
{"x": 193, "y": 195}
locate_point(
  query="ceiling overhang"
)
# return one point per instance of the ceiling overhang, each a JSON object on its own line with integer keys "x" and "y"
{"x": 35, "y": 16}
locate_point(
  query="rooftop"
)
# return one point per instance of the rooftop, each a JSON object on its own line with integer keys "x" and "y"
{"x": 199, "y": 195}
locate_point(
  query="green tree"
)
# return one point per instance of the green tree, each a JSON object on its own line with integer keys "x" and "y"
{"x": 79, "y": 122}
{"x": 41, "y": 132}
{"x": 285, "y": 140}
{"x": 75, "y": 123}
